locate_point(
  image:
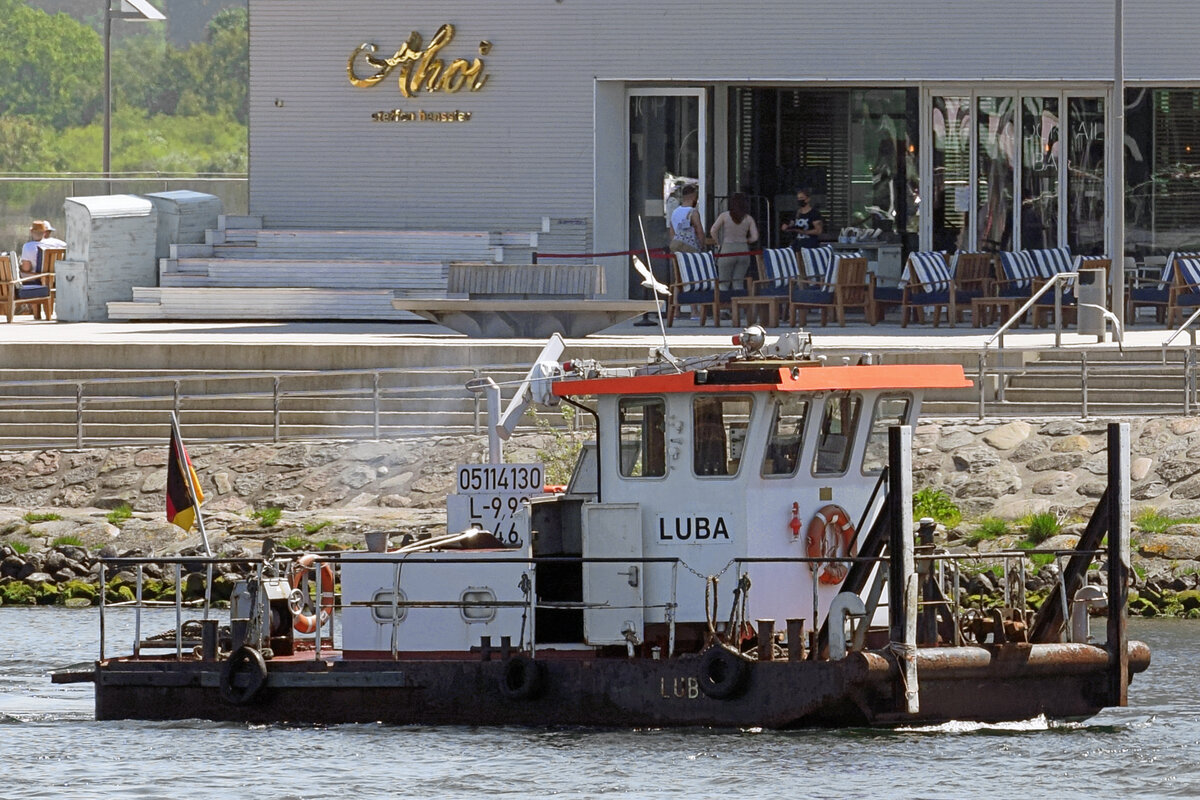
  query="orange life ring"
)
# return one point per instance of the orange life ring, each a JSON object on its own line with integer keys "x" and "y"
{"x": 299, "y": 600}
{"x": 830, "y": 534}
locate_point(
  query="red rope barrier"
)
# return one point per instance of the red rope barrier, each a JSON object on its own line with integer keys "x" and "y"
{"x": 659, "y": 254}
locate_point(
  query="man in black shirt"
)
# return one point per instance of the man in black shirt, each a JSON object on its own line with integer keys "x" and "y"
{"x": 807, "y": 225}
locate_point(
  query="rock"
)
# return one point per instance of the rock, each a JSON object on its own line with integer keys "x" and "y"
{"x": 394, "y": 501}
{"x": 290, "y": 502}
{"x": 151, "y": 457}
{"x": 1188, "y": 490}
{"x": 1148, "y": 491}
{"x": 45, "y": 463}
{"x": 361, "y": 500}
{"x": 1092, "y": 488}
{"x": 955, "y": 440}
{"x": 1072, "y": 444}
{"x": 1061, "y": 427}
{"x": 1027, "y": 450}
{"x": 1054, "y": 483}
{"x": 222, "y": 482}
{"x": 1176, "y": 470}
{"x": 1008, "y": 436}
{"x": 35, "y": 578}
{"x": 975, "y": 459}
{"x": 1139, "y": 468}
{"x": 358, "y": 476}
{"x": 155, "y": 482}
{"x": 1182, "y": 426}
{"x": 1062, "y": 462}
{"x": 1164, "y": 545}
{"x": 1062, "y": 541}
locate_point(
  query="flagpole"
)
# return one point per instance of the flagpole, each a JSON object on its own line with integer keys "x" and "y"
{"x": 191, "y": 488}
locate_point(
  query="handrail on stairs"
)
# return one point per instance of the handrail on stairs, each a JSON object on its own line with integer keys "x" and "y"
{"x": 1189, "y": 359}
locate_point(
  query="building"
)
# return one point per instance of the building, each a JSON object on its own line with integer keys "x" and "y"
{"x": 984, "y": 124}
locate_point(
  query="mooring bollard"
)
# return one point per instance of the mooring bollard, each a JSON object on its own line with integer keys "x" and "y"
{"x": 766, "y": 640}
{"x": 795, "y": 636}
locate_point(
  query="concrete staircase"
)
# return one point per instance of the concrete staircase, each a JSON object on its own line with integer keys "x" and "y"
{"x": 244, "y": 271}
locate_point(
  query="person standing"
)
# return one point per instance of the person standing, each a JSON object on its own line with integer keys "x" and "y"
{"x": 687, "y": 230}
{"x": 735, "y": 231}
{"x": 807, "y": 225}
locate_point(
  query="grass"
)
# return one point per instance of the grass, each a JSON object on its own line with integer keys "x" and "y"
{"x": 295, "y": 543}
{"x": 989, "y": 528}
{"x": 19, "y": 547}
{"x": 73, "y": 541}
{"x": 937, "y": 504}
{"x": 1039, "y": 559}
{"x": 48, "y": 516}
{"x": 267, "y": 516}
{"x": 312, "y": 527}
{"x": 1149, "y": 520}
{"x": 119, "y": 514}
{"x": 1041, "y": 526}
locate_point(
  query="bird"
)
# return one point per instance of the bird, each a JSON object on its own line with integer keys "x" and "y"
{"x": 650, "y": 281}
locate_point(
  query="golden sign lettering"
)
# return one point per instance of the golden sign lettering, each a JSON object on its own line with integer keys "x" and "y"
{"x": 418, "y": 67}
{"x": 681, "y": 688}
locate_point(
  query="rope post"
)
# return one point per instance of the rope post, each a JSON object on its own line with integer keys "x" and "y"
{"x": 902, "y": 576}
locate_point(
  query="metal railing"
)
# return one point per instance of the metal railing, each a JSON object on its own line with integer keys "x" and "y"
{"x": 274, "y": 405}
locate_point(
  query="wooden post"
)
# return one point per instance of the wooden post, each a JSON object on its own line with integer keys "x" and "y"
{"x": 902, "y": 577}
{"x": 1118, "y": 561}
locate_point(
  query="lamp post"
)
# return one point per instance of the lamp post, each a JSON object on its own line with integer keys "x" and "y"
{"x": 132, "y": 10}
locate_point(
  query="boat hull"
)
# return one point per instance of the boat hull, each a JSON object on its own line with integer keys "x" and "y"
{"x": 1010, "y": 682}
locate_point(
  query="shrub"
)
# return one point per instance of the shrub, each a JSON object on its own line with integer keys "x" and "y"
{"x": 1148, "y": 520}
{"x": 119, "y": 514}
{"x": 267, "y": 516}
{"x": 295, "y": 543}
{"x": 73, "y": 541}
{"x": 19, "y": 547}
{"x": 1040, "y": 527}
{"x": 48, "y": 516}
{"x": 312, "y": 527}
{"x": 559, "y": 455}
{"x": 937, "y": 504}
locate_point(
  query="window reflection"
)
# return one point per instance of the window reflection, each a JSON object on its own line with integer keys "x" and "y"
{"x": 951, "y": 126}
{"x": 787, "y": 436}
{"x": 836, "y": 437}
{"x": 719, "y": 425}
{"x": 1040, "y": 156}
{"x": 996, "y": 131}
{"x": 1085, "y": 175}
{"x": 889, "y": 411}
{"x": 643, "y": 444}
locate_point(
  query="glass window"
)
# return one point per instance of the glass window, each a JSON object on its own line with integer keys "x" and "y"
{"x": 719, "y": 425}
{"x": 1085, "y": 175}
{"x": 836, "y": 438}
{"x": 643, "y": 443}
{"x": 997, "y": 146}
{"x": 1040, "y": 157}
{"x": 1162, "y": 158}
{"x": 787, "y": 436}
{"x": 951, "y": 173}
{"x": 889, "y": 411}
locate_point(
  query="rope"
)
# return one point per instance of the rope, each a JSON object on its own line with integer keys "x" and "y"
{"x": 658, "y": 255}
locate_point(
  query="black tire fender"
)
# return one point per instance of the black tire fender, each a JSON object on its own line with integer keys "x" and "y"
{"x": 522, "y": 678}
{"x": 723, "y": 673}
{"x": 247, "y": 661}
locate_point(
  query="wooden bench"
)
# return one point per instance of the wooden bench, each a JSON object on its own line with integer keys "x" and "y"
{"x": 525, "y": 281}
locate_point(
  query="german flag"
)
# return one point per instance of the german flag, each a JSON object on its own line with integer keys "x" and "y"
{"x": 183, "y": 487}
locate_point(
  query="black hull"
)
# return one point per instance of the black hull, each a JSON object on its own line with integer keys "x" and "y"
{"x": 1012, "y": 682}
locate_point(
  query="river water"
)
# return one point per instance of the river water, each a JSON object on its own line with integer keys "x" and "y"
{"x": 51, "y": 747}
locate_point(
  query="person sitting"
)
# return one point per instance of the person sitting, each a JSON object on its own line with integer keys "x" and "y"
{"x": 31, "y": 256}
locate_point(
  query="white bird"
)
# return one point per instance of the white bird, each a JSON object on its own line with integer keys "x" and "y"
{"x": 650, "y": 281}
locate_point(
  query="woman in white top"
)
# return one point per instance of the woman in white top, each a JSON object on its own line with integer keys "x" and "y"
{"x": 687, "y": 231}
{"x": 734, "y": 231}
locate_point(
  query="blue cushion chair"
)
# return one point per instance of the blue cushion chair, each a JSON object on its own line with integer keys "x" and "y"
{"x": 695, "y": 284}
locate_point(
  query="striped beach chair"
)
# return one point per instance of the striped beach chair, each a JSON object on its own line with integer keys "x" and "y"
{"x": 695, "y": 284}
{"x": 1185, "y": 289}
{"x": 928, "y": 282}
{"x": 779, "y": 268}
{"x": 847, "y": 286}
{"x": 1154, "y": 293}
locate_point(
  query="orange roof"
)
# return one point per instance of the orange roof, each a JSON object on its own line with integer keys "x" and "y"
{"x": 812, "y": 379}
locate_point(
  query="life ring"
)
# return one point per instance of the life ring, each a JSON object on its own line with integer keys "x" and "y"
{"x": 304, "y": 617}
{"x": 722, "y": 672}
{"x": 246, "y": 661}
{"x": 522, "y": 678}
{"x": 830, "y": 535}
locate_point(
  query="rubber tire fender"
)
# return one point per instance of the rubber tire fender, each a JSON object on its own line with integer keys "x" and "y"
{"x": 522, "y": 678}
{"x": 723, "y": 673}
{"x": 245, "y": 660}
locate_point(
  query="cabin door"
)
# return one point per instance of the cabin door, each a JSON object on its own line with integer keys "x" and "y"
{"x": 613, "y": 530}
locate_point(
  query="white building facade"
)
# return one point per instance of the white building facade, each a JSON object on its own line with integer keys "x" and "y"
{"x": 979, "y": 125}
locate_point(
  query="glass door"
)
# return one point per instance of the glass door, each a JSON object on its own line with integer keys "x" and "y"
{"x": 668, "y": 142}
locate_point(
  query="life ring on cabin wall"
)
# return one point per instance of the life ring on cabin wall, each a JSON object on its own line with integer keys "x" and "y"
{"x": 304, "y": 617}
{"x": 830, "y": 534}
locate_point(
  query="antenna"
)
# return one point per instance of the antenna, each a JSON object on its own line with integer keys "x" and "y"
{"x": 656, "y": 286}
{"x": 543, "y": 370}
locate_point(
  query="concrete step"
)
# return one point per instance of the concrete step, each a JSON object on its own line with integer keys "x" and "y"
{"x": 1125, "y": 382}
{"x": 273, "y": 303}
{"x": 243, "y": 221}
{"x": 324, "y": 274}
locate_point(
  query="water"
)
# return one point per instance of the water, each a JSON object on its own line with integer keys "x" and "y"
{"x": 51, "y": 747}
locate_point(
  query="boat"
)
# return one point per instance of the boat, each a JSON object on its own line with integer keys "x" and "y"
{"x": 735, "y": 548}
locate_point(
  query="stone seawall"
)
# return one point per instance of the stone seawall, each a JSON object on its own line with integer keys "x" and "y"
{"x": 330, "y": 492}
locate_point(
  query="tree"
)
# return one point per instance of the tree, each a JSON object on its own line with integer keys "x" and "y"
{"x": 51, "y": 67}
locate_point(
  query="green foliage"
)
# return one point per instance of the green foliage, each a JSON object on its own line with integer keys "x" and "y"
{"x": 312, "y": 527}
{"x": 17, "y": 594}
{"x": 988, "y": 528}
{"x": 1041, "y": 526}
{"x": 937, "y": 504}
{"x": 1148, "y": 520}
{"x": 19, "y": 547}
{"x": 558, "y": 457}
{"x": 73, "y": 541}
{"x": 48, "y": 516}
{"x": 267, "y": 516}
{"x": 295, "y": 543}
{"x": 119, "y": 514}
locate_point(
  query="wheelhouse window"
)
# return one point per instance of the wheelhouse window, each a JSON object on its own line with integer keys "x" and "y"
{"x": 889, "y": 411}
{"x": 642, "y": 422}
{"x": 719, "y": 425}
{"x": 836, "y": 436}
{"x": 782, "y": 456}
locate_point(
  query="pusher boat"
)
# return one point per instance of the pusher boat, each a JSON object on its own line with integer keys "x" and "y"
{"x": 735, "y": 548}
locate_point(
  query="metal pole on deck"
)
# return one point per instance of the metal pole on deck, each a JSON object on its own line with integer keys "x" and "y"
{"x": 902, "y": 576}
{"x": 1118, "y": 561}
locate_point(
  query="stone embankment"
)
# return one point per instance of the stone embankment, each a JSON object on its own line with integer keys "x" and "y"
{"x": 60, "y": 509}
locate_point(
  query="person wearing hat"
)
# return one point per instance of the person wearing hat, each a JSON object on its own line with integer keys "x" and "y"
{"x": 49, "y": 240}
{"x": 40, "y": 238}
